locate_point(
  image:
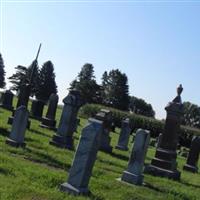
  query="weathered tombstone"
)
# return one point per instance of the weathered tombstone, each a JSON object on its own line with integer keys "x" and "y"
{"x": 64, "y": 136}
{"x": 133, "y": 174}
{"x": 37, "y": 109}
{"x": 23, "y": 99}
{"x": 124, "y": 135}
{"x": 17, "y": 134}
{"x": 49, "y": 121}
{"x": 7, "y": 100}
{"x": 77, "y": 122}
{"x": 25, "y": 89}
{"x": 84, "y": 159}
{"x": 193, "y": 157}
{"x": 105, "y": 116}
{"x": 159, "y": 140}
{"x": 164, "y": 164}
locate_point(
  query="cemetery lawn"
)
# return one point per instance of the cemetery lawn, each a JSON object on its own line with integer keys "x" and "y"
{"x": 35, "y": 173}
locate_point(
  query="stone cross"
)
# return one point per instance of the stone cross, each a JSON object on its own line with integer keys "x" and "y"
{"x": 7, "y": 100}
{"x": 64, "y": 136}
{"x": 49, "y": 121}
{"x": 133, "y": 174}
{"x": 193, "y": 157}
{"x": 84, "y": 159}
{"x": 106, "y": 117}
{"x": 17, "y": 134}
{"x": 124, "y": 135}
{"x": 164, "y": 164}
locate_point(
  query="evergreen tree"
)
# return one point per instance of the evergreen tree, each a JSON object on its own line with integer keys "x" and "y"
{"x": 2, "y": 73}
{"x": 139, "y": 106}
{"x": 86, "y": 84}
{"x": 191, "y": 115}
{"x": 22, "y": 76}
{"x": 115, "y": 89}
{"x": 46, "y": 84}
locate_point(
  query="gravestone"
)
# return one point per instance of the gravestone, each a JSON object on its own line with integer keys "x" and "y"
{"x": 84, "y": 159}
{"x": 64, "y": 136}
{"x": 164, "y": 163}
{"x": 17, "y": 134}
{"x": 23, "y": 99}
{"x": 133, "y": 174}
{"x": 124, "y": 135}
{"x": 37, "y": 109}
{"x": 193, "y": 157}
{"x": 7, "y": 100}
{"x": 105, "y": 116}
{"x": 159, "y": 140}
{"x": 49, "y": 121}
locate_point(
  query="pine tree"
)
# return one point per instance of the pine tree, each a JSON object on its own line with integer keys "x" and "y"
{"x": 86, "y": 84}
{"x": 46, "y": 84}
{"x": 115, "y": 89}
{"x": 2, "y": 73}
{"x": 22, "y": 76}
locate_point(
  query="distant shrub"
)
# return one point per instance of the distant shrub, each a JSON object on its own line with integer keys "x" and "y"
{"x": 137, "y": 121}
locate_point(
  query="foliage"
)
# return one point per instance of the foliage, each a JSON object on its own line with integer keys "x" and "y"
{"x": 115, "y": 89}
{"x": 137, "y": 121}
{"x": 139, "y": 106}
{"x": 191, "y": 115}
{"x": 23, "y": 75}
{"x": 85, "y": 82}
{"x": 46, "y": 84}
{"x": 2, "y": 73}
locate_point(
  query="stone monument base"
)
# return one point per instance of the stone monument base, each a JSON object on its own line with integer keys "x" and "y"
{"x": 14, "y": 143}
{"x": 63, "y": 142}
{"x": 107, "y": 149}
{"x": 132, "y": 178}
{"x": 66, "y": 187}
{"x": 7, "y": 107}
{"x": 123, "y": 148}
{"x": 48, "y": 123}
{"x": 190, "y": 168}
{"x": 10, "y": 121}
{"x": 156, "y": 171}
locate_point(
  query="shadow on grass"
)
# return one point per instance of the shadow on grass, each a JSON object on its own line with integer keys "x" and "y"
{"x": 6, "y": 172}
{"x": 119, "y": 156}
{"x": 4, "y": 132}
{"x": 40, "y": 133}
{"x": 176, "y": 194}
{"x": 189, "y": 184}
{"x": 46, "y": 159}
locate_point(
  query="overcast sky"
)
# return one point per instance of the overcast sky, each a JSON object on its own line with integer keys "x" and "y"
{"x": 157, "y": 44}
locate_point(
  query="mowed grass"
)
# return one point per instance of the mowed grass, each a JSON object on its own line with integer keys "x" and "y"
{"x": 35, "y": 172}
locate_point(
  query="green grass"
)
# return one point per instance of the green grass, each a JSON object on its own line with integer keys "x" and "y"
{"x": 35, "y": 173}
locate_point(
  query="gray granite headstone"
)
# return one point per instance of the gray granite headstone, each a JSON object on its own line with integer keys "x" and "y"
{"x": 124, "y": 135}
{"x": 49, "y": 121}
{"x": 37, "y": 109}
{"x": 133, "y": 174}
{"x": 106, "y": 117}
{"x": 7, "y": 100}
{"x": 17, "y": 134}
{"x": 159, "y": 140}
{"x": 64, "y": 136}
{"x": 193, "y": 157}
{"x": 84, "y": 159}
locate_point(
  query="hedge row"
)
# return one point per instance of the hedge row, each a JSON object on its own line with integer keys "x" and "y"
{"x": 137, "y": 121}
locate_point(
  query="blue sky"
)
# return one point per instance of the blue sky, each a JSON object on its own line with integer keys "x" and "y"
{"x": 157, "y": 44}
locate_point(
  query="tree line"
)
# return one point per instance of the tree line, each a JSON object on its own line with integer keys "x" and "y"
{"x": 113, "y": 90}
